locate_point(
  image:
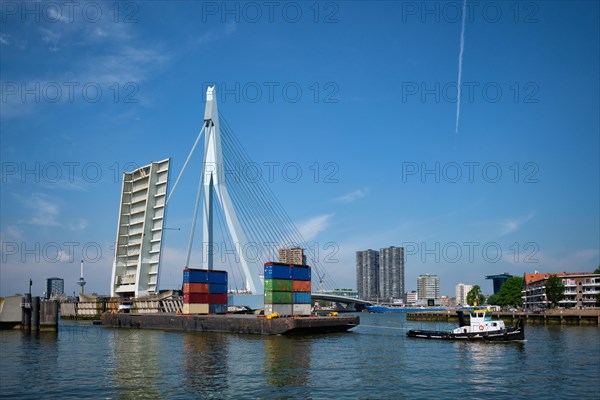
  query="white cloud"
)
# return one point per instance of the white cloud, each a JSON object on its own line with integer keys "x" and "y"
{"x": 52, "y": 38}
{"x": 352, "y": 196}
{"x": 78, "y": 225}
{"x": 4, "y": 39}
{"x": 11, "y": 233}
{"x": 511, "y": 225}
{"x": 43, "y": 210}
{"x": 313, "y": 226}
{"x": 214, "y": 35}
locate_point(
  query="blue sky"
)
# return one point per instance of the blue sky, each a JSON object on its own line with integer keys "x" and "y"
{"x": 364, "y": 91}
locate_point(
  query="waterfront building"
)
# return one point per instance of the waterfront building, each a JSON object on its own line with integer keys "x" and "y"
{"x": 581, "y": 289}
{"x": 461, "y": 291}
{"x": 412, "y": 297}
{"x": 367, "y": 274}
{"x": 428, "y": 286}
{"x": 294, "y": 255}
{"x": 54, "y": 287}
{"x": 499, "y": 280}
{"x": 446, "y": 301}
{"x": 391, "y": 274}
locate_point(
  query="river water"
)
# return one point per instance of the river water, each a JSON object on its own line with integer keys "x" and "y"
{"x": 375, "y": 360}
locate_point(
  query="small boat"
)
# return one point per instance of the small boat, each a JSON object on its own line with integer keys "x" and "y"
{"x": 482, "y": 327}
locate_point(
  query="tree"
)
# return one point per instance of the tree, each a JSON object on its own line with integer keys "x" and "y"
{"x": 475, "y": 296}
{"x": 493, "y": 300}
{"x": 597, "y": 271}
{"x": 555, "y": 290}
{"x": 510, "y": 292}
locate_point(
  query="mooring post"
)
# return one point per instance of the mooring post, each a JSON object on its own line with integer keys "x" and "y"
{"x": 26, "y": 313}
{"x": 35, "y": 313}
{"x": 49, "y": 316}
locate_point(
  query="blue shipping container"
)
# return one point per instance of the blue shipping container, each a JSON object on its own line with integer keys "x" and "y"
{"x": 217, "y": 288}
{"x": 301, "y": 273}
{"x": 195, "y": 276}
{"x": 217, "y": 277}
{"x": 278, "y": 272}
{"x": 217, "y": 308}
{"x": 301, "y": 298}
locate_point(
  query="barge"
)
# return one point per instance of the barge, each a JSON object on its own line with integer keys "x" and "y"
{"x": 231, "y": 323}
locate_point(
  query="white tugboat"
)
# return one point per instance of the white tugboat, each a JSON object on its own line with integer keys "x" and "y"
{"x": 481, "y": 327}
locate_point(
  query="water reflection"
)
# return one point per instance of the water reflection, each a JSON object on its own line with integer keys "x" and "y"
{"x": 205, "y": 359}
{"x": 136, "y": 363}
{"x": 287, "y": 360}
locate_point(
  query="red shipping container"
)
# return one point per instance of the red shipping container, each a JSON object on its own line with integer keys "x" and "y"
{"x": 195, "y": 288}
{"x": 301, "y": 286}
{"x": 191, "y": 298}
{"x": 217, "y": 299}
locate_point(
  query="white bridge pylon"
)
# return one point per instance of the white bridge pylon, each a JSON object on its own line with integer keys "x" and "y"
{"x": 211, "y": 181}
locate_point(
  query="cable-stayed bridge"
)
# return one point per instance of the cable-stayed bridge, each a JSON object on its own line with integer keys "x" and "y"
{"x": 243, "y": 222}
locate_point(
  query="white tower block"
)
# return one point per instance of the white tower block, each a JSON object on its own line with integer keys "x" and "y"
{"x": 214, "y": 182}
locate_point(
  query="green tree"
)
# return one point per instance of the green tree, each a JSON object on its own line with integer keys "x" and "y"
{"x": 493, "y": 300}
{"x": 597, "y": 271}
{"x": 510, "y": 292}
{"x": 555, "y": 290}
{"x": 475, "y": 296}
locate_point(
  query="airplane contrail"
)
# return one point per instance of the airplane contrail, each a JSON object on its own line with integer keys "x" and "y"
{"x": 460, "y": 62}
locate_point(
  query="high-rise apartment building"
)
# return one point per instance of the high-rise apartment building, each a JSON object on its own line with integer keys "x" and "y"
{"x": 54, "y": 287}
{"x": 294, "y": 255}
{"x": 380, "y": 274}
{"x": 367, "y": 274}
{"x": 461, "y": 291}
{"x": 391, "y": 274}
{"x": 428, "y": 286}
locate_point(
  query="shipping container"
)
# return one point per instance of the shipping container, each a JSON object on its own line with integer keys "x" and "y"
{"x": 301, "y": 298}
{"x": 218, "y": 308}
{"x": 301, "y": 309}
{"x": 191, "y": 298}
{"x": 215, "y": 276}
{"x": 301, "y": 286}
{"x": 281, "y": 309}
{"x": 278, "y": 285}
{"x": 204, "y": 276}
{"x": 270, "y": 263}
{"x": 217, "y": 288}
{"x": 217, "y": 298}
{"x": 195, "y": 276}
{"x": 301, "y": 273}
{"x": 272, "y": 297}
{"x": 195, "y": 288}
{"x": 195, "y": 308}
{"x": 278, "y": 272}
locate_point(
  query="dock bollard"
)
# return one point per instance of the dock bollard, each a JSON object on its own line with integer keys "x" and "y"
{"x": 49, "y": 316}
{"x": 26, "y": 313}
{"x": 35, "y": 313}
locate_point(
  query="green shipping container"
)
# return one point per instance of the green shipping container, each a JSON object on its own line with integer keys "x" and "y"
{"x": 278, "y": 285}
{"x": 272, "y": 297}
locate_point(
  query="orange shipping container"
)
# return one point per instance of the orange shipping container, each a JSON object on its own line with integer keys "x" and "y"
{"x": 195, "y": 288}
{"x": 301, "y": 286}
